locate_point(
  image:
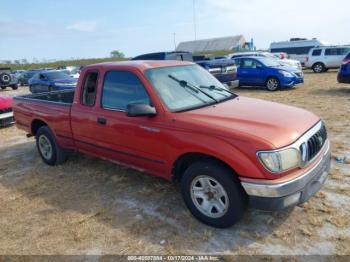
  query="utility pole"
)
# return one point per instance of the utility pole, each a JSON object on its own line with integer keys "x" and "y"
{"x": 194, "y": 20}
{"x": 174, "y": 41}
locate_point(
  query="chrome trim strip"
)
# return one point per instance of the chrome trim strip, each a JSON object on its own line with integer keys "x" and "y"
{"x": 289, "y": 187}
{"x": 6, "y": 115}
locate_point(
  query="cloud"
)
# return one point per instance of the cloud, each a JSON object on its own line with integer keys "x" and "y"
{"x": 83, "y": 26}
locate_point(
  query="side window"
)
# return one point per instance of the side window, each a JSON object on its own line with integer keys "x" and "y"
{"x": 89, "y": 89}
{"x": 248, "y": 63}
{"x": 316, "y": 52}
{"x": 343, "y": 51}
{"x": 331, "y": 51}
{"x": 121, "y": 88}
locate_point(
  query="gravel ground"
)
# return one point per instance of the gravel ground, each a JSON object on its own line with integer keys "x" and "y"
{"x": 90, "y": 206}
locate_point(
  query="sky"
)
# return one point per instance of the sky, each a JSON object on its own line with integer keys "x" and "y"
{"x": 64, "y": 29}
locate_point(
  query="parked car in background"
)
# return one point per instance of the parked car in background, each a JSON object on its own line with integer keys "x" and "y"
{"x": 174, "y": 55}
{"x": 344, "y": 71}
{"x": 24, "y": 77}
{"x": 267, "y": 72}
{"x": 46, "y": 81}
{"x": 223, "y": 69}
{"x": 285, "y": 62}
{"x": 174, "y": 120}
{"x": 320, "y": 59}
{"x": 296, "y": 48}
{"x": 7, "y": 78}
{"x": 6, "y": 114}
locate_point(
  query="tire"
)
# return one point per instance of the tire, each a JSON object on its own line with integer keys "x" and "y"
{"x": 14, "y": 87}
{"x": 51, "y": 153}
{"x": 318, "y": 68}
{"x": 3, "y": 87}
{"x": 31, "y": 89}
{"x": 5, "y": 78}
{"x": 232, "y": 203}
{"x": 49, "y": 88}
{"x": 272, "y": 84}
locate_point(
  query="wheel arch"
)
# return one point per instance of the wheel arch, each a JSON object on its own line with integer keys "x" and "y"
{"x": 36, "y": 124}
{"x": 186, "y": 159}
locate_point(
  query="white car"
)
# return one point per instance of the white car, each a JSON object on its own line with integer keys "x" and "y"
{"x": 285, "y": 62}
{"x": 320, "y": 59}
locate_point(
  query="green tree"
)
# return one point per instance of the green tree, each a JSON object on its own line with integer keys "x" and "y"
{"x": 117, "y": 54}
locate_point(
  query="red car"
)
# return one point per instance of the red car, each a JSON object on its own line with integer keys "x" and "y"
{"x": 6, "y": 114}
{"x": 175, "y": 120}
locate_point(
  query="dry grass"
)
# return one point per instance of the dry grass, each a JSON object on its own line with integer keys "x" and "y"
{"x": 90, "y": 206}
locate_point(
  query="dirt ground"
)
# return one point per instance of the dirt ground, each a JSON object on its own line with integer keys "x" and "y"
{"x": 90, "y": 206}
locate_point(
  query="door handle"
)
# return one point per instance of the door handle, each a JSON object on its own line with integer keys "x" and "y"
{"x": 101, "y": 120}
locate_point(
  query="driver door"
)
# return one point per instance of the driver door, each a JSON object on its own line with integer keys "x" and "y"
{"x": 250, "y": 72}
{"x": 136, "y": 141}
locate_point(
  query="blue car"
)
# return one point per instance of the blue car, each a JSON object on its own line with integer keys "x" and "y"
{"x": 46, "y": 81}
{"x": 267, "y": 72}
{"x": 344, "y": 71}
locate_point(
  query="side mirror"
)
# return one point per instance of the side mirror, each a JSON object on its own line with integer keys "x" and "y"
{"x": 140, "y": 109}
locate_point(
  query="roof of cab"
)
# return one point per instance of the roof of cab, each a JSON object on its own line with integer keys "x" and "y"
{"x": 141, "y": 64}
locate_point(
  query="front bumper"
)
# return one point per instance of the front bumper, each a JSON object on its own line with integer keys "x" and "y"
{"x": 345, "y": 79}
{"x": 6, "y": 119}
{"x": 292, "y": 81}
{"x": 293, "y": 192}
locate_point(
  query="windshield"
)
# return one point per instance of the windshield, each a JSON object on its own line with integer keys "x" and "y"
{"x": 269, "y": 62}
{"x": 187, "y": 87}
{"x": 57, "y": 75}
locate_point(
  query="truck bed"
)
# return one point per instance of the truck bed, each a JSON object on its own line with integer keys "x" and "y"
{"x": 52, "y": 108}
{"x": 63, "y": 97}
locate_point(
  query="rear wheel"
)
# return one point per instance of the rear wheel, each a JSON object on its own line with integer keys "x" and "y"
{"x": 318, "y": 68}
{"x": 212, "y": 194}
{"x": 3, "y": 87}
{"x": 14, "y": 87}
{"x": 49, "y": 150}
{"x": 31, "y": 89}
{"x": 272, "y": 84}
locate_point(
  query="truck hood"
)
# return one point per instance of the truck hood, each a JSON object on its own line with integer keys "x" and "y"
{"x": 271, "y": 123}
{"x": 5, "y": 102}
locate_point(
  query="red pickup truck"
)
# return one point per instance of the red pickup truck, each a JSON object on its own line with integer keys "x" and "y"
{"x": 174, "y": 120}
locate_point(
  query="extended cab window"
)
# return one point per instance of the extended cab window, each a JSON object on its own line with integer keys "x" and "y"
{"x": 89, "y": 89}
{"x": 121, "y": 88}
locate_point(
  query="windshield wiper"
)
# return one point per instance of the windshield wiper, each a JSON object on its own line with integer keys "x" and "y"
{"x": 194, "y": 88}
{"x": 213, "y": 87}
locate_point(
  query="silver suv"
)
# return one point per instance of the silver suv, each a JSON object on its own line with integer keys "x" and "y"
{"x": 320, "y": 59}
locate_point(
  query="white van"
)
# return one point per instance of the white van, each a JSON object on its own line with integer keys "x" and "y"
{"x": 296, "y": 48}
{"x": 320, "y": 59}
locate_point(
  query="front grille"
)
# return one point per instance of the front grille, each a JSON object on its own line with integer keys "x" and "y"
{"x": 314, "y": 144}
{"x": 7, "y": 121}
{"x": 5, "y": 110}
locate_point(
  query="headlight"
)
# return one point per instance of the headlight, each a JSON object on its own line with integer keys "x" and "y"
{"x": 279, "y": 161}
{"x": 285, "y": 73}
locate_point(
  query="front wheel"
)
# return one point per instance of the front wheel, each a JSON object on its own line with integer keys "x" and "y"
{"x": 212, "y": 194}
{"x": 272, "y": 84}
{"x": 319, "y": 68}
{"x": 14, "y": 87}
{"x": 49, "y": 150}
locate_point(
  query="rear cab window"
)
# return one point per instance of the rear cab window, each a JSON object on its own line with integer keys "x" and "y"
{"x": 121, "y": 88}
{"x": 88, "y": 95}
